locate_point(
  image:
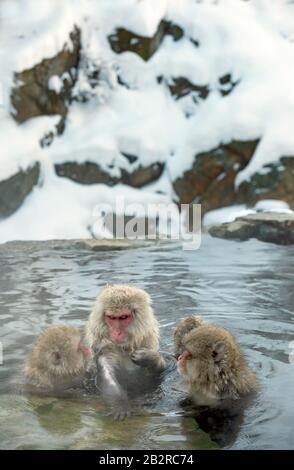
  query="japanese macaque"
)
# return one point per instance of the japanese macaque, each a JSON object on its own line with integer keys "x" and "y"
{"x": 124, "y": 335}
{"x": 58, "y": 359}
{"x": 214, "y": 367}
{"x": 183, "y": 327}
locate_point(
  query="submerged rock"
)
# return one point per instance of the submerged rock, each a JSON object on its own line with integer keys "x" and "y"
{"x": 270, "y": 227}
{"x": 15, "y": 189}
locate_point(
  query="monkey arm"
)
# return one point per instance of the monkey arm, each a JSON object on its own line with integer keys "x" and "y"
{"x": 152, "y": 360}
{"x": 111, "y": 390}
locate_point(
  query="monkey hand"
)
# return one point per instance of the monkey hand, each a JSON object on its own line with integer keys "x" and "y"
{"x": 150, "y": 359}
{"x": 120, "y": 410}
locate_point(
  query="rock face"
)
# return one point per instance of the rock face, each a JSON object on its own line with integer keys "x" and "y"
{"x": 123, "y": 40}
{"x": 91, "y": 173}
{"x": 267, "y": 226}
{"x": 276, "y": 181}
{"x": 32, "y": 96}
{"x": 50, "y": 86}
{"x": 15, "y": 189}
{"x": 210, "y": 180}
{"x": 181, "y": 86}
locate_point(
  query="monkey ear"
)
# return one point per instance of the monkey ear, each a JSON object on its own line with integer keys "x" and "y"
{"x": 218, "y": 351}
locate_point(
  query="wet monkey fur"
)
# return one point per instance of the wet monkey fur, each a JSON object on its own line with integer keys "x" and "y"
{"x": 124, "y": 335}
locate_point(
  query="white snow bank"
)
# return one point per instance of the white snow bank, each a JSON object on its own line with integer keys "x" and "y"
{"x": 252, "y": 41}
{"x": 62, "y": 209}
{"x": 20, "y": 146}
{"x": 229, "y": 214}
{"x": 272, "y": 205}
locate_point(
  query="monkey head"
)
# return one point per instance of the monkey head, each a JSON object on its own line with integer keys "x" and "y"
{"x": 57, "y": 354}
{"x": 205, "y": 348}
{"x": 123, "y": 316}
{"x": 183, "y": 327}
{"x": 213, "y": 364}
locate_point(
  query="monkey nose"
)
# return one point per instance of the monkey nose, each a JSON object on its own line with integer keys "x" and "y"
{"x": 183, "y": 358}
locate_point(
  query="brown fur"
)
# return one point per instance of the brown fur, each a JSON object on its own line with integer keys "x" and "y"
{"x": 183, "y": 327}
{"x": 55, "y": 361}
{"x": 218, "y": 369}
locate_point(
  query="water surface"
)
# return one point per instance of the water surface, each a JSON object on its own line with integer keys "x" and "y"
{"x": 246, "y": 287}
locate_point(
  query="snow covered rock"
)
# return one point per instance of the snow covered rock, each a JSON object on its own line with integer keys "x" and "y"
{"x": 15, "y": 189}
{"x": 45, "y": 88}
{"x": 210, "y": 180}
{"x": 273, "y": 181}
{"x": 122, "y": 40}
{"x": 270, "y": 227}
{"x": 92, "y": 173}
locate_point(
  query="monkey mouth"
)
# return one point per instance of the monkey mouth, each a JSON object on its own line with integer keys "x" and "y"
{"x": 118, "y": 336}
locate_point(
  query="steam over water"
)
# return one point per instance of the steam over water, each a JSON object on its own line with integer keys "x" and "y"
{"x": 245, "y": 287}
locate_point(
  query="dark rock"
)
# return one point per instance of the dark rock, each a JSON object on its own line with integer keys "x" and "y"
{"x": 142, "y": 175}
{"x": 195, "y": 42}
{"x": 210, "y": 181}
{"x": 266, "y": 226}
{"x": 92, "y": 173}
{"x": 275, "y": 181}
{"x": 31, "y": 96}
{"x": 123, "y": 40}
{"x": 15, "y": 189}
{"x": 173, "y": 30}
{"x": 227, "y": 84}
{"x": 130, "y": 158}
{"x": 181, "y": 86}
{"x": 85, "y": 173}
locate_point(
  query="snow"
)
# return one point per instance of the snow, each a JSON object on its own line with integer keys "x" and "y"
{"x": 226, "y": 214}
{"x": 229, "y": 214}
{"x": 55, "y": 84}
{"x": 253, "y": 41}
{"x": 77, "y": 207}
{"x": 271, "y": 205}
{"x": 20, "y": 146}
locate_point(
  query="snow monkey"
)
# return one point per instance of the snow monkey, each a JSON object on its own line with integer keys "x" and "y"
{"x": 124, "y": 335}
{"x": 58, "y": 359}
{"x": 213, "y": 366}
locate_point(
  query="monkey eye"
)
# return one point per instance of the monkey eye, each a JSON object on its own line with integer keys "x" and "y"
{"x": 187, "y": 355}
{"x": 124, "y": 317}
{"x": 111, "y": 317}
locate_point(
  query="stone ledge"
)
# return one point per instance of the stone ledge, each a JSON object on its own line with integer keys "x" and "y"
{"x": 88, "y": 244}
{"x": 269, "y": 227}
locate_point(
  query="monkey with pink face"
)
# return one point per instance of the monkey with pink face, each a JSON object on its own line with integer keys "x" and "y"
{"x": 219, "y": 381}
{"x": 123, "y": 333}
{"x": 211, "y": 362}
